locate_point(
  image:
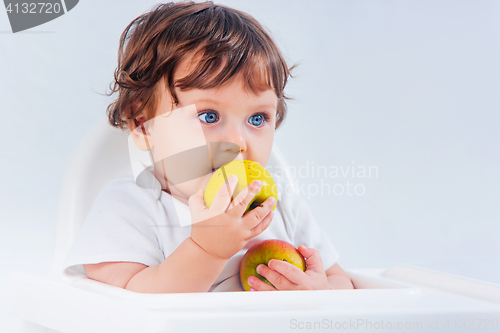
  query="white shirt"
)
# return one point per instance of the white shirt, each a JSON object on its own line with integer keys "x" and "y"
{"x": 131, "y": 223}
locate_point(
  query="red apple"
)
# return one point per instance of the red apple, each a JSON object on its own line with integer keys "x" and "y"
{"x": 264, "y": 251}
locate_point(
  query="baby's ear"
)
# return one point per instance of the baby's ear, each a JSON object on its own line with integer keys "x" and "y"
{"x": 140, "y": 132}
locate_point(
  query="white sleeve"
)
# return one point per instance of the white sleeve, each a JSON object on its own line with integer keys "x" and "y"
{"x": 119, "y": 227}
{"x": 306, "y": 230}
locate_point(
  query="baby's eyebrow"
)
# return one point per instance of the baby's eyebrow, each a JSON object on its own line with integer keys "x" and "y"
{"x": 259, "y": 106}
{"x": 207, "y": 100}
{"x": 266, "y": 106}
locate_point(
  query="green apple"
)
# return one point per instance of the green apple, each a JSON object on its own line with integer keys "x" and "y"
{"x": 264, "y": 251}
{"x": 247, "y": 172}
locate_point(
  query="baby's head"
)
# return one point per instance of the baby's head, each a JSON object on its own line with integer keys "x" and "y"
{"x": 215, "y": 58}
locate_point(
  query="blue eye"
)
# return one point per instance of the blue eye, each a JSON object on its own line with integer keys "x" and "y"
{"x": 210, "y": 117}
{"x": 256, "y": 120}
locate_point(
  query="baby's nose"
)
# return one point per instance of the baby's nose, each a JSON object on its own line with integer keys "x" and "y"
{"x": 235, "y": 140}
{"x": 223, "y": 152}
{"x": 228, "y": 147}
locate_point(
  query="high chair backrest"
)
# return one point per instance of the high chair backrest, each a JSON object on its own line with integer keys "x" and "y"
{"x": 102, "y": 156}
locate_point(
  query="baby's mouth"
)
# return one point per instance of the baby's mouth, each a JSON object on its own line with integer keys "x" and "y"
{"x": 217, "y": 167}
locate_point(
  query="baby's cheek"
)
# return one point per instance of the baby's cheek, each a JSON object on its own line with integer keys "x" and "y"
{"x": 187, "y": 189}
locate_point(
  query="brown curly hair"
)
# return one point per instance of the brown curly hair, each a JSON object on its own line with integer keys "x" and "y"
{"x": 229, "y": 42}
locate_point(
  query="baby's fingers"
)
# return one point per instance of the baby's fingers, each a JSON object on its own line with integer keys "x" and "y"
{"x": 291, "y": 272}
{"x": 196, "y": 201}
{"x": 243, "y": 199}
{"x": 197, "y": 207}
{"x": 257, "y": 230}
{"x": 279, "y": 281}
{"x": 223, "y": 196}
{"x": 313, "y": 259}
{"x": 258, "y": 219}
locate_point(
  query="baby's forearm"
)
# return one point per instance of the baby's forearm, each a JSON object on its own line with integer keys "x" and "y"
{"x": 337, "y": 281}
{"x": 188, "y": 269}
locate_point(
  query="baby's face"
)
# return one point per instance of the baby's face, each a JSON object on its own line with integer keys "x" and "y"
{"x": 244, "y": 122}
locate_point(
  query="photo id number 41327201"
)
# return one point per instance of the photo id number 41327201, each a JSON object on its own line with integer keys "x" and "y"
{"x": 33, "y": 8}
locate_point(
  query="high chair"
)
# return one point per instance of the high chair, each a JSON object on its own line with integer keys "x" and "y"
{"x": 400, "y": 297}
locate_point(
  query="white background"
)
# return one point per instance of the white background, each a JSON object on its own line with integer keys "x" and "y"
{"x": 410, "y": 87}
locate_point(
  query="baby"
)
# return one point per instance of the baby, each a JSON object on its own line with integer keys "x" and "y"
{"x": 198, "y": 82}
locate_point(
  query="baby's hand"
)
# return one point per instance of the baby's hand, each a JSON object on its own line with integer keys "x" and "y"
{"x": 223, "y": 233}
{"x": 285, "y": 276}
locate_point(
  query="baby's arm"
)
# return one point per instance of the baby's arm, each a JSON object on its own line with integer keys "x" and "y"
{"x": 338, "y": 278}
{"x": 167, "y": 277}
{"x": 188, "y": 269}
{"x": 198, "y": 260}
{"x": 117, "y": 274}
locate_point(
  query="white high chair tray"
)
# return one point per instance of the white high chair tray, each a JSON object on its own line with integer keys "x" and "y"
{"x": 401, "y": 297}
